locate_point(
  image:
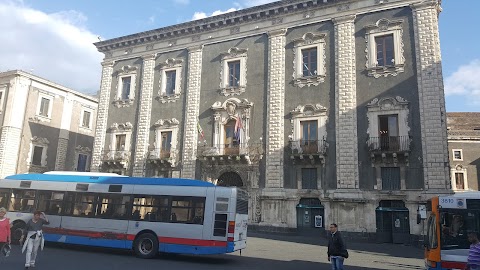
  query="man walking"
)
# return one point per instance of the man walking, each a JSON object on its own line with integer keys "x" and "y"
{"x": 474, "y": 253}
{"x": 337, "y": 251}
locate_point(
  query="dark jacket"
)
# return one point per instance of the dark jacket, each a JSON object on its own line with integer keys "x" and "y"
{"x": 336, "y": 246}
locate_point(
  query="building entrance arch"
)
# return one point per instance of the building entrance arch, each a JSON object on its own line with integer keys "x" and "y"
{"x": 230, "y": 179}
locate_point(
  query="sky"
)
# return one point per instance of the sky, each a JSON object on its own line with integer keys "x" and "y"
{"x": 54, "y": 38}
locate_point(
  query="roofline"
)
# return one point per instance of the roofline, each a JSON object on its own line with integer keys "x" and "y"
{"x": 230, "y": 19}
{"x": 31, "y": 76}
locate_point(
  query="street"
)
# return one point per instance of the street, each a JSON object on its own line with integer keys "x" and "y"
{"x": 263, "y": 252}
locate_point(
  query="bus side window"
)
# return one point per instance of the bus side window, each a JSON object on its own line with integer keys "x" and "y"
{"x": 22, "y": 200}
{"x": 432, "y": 240}
{"x": 4, "y": 194}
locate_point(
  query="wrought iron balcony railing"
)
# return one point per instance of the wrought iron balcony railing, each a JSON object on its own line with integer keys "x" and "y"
{"x": 308, "y": 147}
{"x": 389, "y": 144}
{"x": 116, "y": 155}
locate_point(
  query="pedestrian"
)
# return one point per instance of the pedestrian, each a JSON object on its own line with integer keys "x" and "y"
{"x": 473, "y": 261}
{"x": 5, "y": 237}
{"x": 337, "y": 252}
{"x": 33, "y": 237}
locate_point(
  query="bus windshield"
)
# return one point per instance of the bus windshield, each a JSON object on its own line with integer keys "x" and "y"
{"x": 455, "y": 225}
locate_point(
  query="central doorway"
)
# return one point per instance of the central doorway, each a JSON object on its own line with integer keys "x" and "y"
{"x": 230, "y": 179}
{"x": 310, "y": 215}
{"x": 393, "y": 223}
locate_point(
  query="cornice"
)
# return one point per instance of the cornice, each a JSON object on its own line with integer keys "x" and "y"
{"x": 239, "y": 24}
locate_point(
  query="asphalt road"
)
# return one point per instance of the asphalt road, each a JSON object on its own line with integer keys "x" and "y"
{"x": 263, "y": 252}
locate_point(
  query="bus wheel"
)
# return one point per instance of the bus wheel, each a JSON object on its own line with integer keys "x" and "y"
{"x": 146, "y": 246}
{"x": 17, "y": 231}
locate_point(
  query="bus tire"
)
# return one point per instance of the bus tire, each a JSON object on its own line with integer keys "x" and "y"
{"x": 146, "y": 246}
{"x": 17, "y": 231}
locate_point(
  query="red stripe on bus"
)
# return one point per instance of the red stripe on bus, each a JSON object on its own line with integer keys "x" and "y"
{"x": 454, "y": 265}
{"x": 192, "y": 242}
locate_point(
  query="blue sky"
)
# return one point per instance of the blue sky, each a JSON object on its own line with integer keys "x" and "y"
{"x": 53, "y": 38}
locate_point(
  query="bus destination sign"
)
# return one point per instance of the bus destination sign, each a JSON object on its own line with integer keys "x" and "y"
{"x": 452, "y": 202}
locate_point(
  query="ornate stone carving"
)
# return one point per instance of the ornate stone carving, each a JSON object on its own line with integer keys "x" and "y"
{"x": 276, "y": 21}
{"x": 167, "y": 123}
{"x": 169, "y": 65}
{"x": 116, "y": 127}
{"x": 388, "y": 103}
{"x": 382, "y": 27}
{"x": 124, "y": 72}
{"x": 40, "y": 141}
{"x": 307, "y": 41}
{"x": 83, "y": 149}
{"x": 235, "y": 30}
{"x": 127, "y": 69}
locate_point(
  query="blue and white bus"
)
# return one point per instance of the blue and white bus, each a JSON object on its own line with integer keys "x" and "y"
{"x": 148, "y": 215}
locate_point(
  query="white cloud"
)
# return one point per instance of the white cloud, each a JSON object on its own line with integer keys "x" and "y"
{"x": 182, "y": 2}
{"x": 465, "y": 81}
{"x": 251, "y": 3}
{"x": 202, "y": 15}
{"x": 54, "y": 46}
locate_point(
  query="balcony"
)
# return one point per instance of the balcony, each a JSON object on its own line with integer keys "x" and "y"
{"x": 224, "y": 154}
{"x": 163, "y": 157}
{"x": 390, "y": 148}
{"x": 116, "y": 158}
{"x": 308, "y": 150}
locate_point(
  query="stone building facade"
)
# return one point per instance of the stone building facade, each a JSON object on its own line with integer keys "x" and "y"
{"x": 325, "y": 111}
{"x": 44, "y": 126}
{"x": 464, "y": 150}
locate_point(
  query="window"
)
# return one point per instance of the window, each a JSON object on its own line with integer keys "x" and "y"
{"x": 151, "y": 208}
{"x": 187, "y": 210}
{"x": 4, "y": 197}
{"x": 166, "y": 144}
{"x": 120, "y": 142}
{"x": 309, "y": 62}
{"x": 112, "y": 206}
{"x": 457, "y": 154}
{"x": 391, "y": 178}
{"x": 82, "y": 163}
{"x": 83, "y": 205}
{"x": 86, "y": 119}
{"x": 171, "y": 82}
{"x": 309, "y": 139}
{"x": 44, "y": 109}
{"x": 126, "y": 83}
{"x": 22, "y": 200}
{"x": 385, "y": 50}
{"x": 309, "y": 178}
{"x": 50, "y": 202}
{"x": 220, "y": 225}
{"x": 388, "y": 132}
{"x": 234, "y": 73}
{"x": 231, "y": 140}
{"x": 459, "y": 181}
{"x": 37, "y": 155}
{"x": 432, "y": 240}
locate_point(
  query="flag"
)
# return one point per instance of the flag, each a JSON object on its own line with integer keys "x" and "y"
{"x": 200, "y": 130}
{"x": 238, "y": 127}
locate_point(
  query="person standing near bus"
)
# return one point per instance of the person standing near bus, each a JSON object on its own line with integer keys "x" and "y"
{"x": 33, "y": 237}
{"x": 473, "y": 261}
{"x": 337, "y": 252}
{"x": 5, "y": 237}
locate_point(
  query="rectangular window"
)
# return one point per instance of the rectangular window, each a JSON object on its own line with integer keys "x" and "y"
{"x": 112, "y": 206}
{"x": 391, "y": 178}
{"x": 22, "y": 200}
{"x": 37, "y": 155}
{"x": 457, "y": 155}
{"x": 126, "y": 83}
{"x": 309, "y": 136}
{"x": 120, "y": 142}
{"x": 309, "y": 178}
{"x": 82, "y": 163}
{"x": 151, "y": 208}
{"x": 310, "y": 62}
{"x": 166, "y": 144}
{"x": 44, "y": 107}
{"x": 385, "y": 50}
{"x": 234, "y": 73}
{"x": 83, "y": 205}
{"x": 220, "y": 225}
{"x": 187, "y": 210}
{"x": 459, "y": 181}
{"x": 171, "y": 77}
{"x": 50, "y": 202}
{"x": 86, "y": 119}
{"x": 388, "y": 132}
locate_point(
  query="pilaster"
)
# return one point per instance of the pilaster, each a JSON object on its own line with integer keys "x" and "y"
{"x": 346, "y": 104}
{"x": 275, "y": 142}
{"x": 102, "y": 115}
{"x": 144, "y": 116}
{"x": 190, "y": 137}
{"x": 64, "y": 134}
{"x": 431, "y": 95}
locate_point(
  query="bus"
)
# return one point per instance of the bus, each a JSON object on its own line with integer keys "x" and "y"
{"x": 449, "y": 221}
{"x": 148, "y": 215}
